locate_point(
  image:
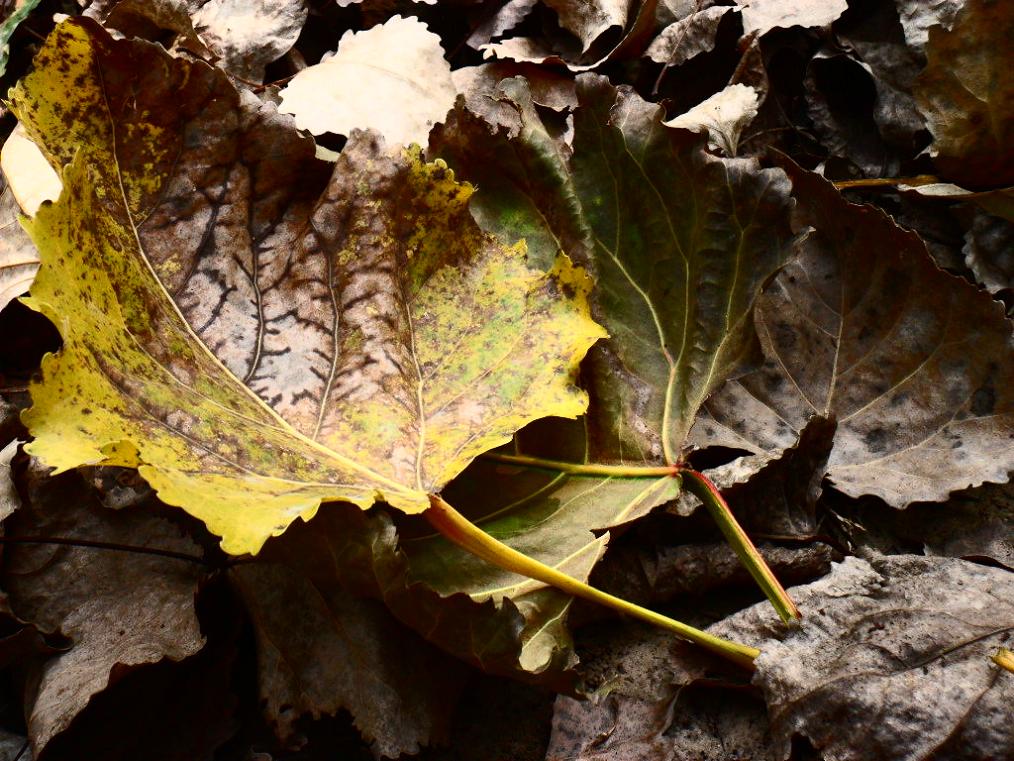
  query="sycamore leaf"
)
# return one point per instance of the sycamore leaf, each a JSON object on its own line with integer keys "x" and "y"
{"x": 967, "y": 95}
{"x": 254, "y": 338}
{"x": 915, "y": 364}
{"x": 905, "y": 639}
{"x": 242, "y": 36}
{"x": 392, "y": 78}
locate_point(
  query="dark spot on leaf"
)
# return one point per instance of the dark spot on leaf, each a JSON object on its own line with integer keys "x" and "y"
{"x": 983, "y": 401}
{"x": 876, "y": 440}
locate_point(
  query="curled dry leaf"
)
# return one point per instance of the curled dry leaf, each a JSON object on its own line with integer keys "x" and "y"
{"x": 891, "y": 661}
{"x": 915, "y": 364}
{"x": 917, "y": 16}
{"x": 688, "y": 37}
{"x": 392, "y": 78}
{"x": 967, "y": 96}
{"x": 121, "y": 610}
{"x": 989, "y": 251}
{"x": 9, "y": 499}
{"x": 416, "y": 341}
{"x": 723, "y": 116}
{"x": 242, "y": 36}
{"x": 761, "y": 16}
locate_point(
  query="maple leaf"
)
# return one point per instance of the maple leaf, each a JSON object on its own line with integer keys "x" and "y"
{"x": 400, "y": 61}
{"x": 915, "y": 364}
{"x": 254, "y": 338}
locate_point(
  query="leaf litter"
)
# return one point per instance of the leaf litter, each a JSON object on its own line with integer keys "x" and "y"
{"x": 805, "y": 351}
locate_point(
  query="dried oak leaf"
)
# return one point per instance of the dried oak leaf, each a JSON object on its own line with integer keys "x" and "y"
{"x": 121, "y": 610}
{"x": 254, "y": 338}
{"x": 914, "y": 364}
{"x": 242, "y": 36}
{"x": 891, "y": 661}
{"x": 392, "y": 78}
{"x": 967, "y": 96}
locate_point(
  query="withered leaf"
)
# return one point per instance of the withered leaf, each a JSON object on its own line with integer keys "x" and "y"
{"x": 915, "y": 364}
{"x": 891, "y": 661}
{"x": 254, "y": 338}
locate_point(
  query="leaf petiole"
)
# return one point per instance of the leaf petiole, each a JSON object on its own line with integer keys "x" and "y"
{"x": 458, "y": 529}
{"x": 702, "y": 487}
{"x": 586, "y": 469}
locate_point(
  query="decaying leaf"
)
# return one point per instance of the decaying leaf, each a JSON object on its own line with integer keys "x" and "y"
{"x": 242, "y": 36}
{"x": 917, "y": 16}
{"x": 506, "y": 17}
{"x": 392, "y": 78}
{"x": 321, "y": 650}
{"x": 761, "y": 16}
{"x": 690, "y": 36}
{"x": 914, "y": 364}
{"x": 19, "y": 261}
{"x": 723, "y": 116}
{"x": 415, "y": 342}
{"x": 29, "y": 180}
{"x": 989, "y": 251}
{"x": 967, "y": 96}
{"x": 9, "y": 499}
{"x": 891, "y": 661}
{"x": 120, "y": 610}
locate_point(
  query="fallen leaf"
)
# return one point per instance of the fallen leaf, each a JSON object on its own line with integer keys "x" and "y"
{"x": 967, "y": 96}
{"x": 917, "y": 16}
{"x": 321, "y": 650}
{"x": 989, "y": 251}
{"x": 234, "y": 398}
{"x": 590, "y": 19}
{"x": 9, "y": 499}
{"x": 891, "y": 661}
{"x": 28, "y": 177}
{"x": 120, "y": 609}
{"x": 479, "y": 86}
{"x": 506, "y": 17}
{"x": 915, "y": 364}
{"x": 761, "y": 16}
{"x": 632, "y": 42}
{"x": 243, "y": 36}
{"x": 723, "y": 116}
{"x": 400, "y": 62}
{"x": 690, "y": 36}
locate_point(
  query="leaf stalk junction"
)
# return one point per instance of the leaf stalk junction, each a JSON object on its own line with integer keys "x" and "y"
{"x": 458, "y": 529}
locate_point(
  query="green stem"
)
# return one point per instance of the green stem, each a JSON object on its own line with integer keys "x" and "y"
{"x": 589, "y": 469}
{"x": 458, "y": 529}
{"x": 702, "y": 487}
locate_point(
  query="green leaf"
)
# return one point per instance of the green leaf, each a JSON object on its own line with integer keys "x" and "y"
{"x": 254, "y": 337}
{"x": 679, "y": 241}
{"x": 967, "y": 96}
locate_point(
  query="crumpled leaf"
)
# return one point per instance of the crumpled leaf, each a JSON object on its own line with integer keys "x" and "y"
{"x": 690, "y": 36}
{"x": 121, "y": 610}
{"x": 187, "y": 353}
{"x": 242, "y": 36}
{"x": 12, "y": 17}
{"x": 967, "y": 96}
{"x": 9, "y": 499}
{"x": 506, "y": 17}
{"x": 915, "y": 364}
{"x": 901, "y": 642}
{"x": 989, "y": 251}
{"x": 321, "y": 650}
{"x": 761, "y": 16}
{"x": 590, "y": 19}
{"x": 480, "y": 85}
{"x": 400, "y": 62}
{"x": 917, "y": 16}
{"x": 631, "y": 43}
{"x": 19, "y": 261}
{"x": 723, "y": 116}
